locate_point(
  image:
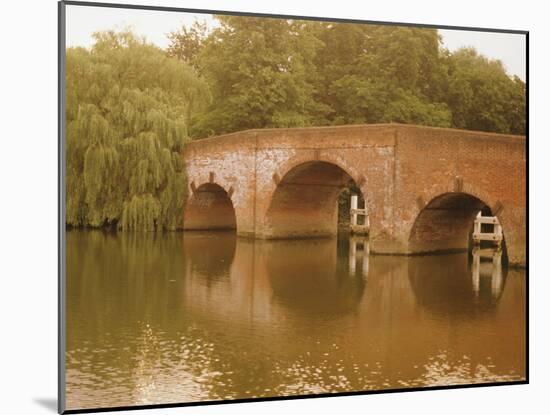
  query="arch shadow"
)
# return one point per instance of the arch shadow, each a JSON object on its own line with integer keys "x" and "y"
{"x": 445, "y": 224}
{"x": 305, "y": 201}
{"x": 209, "y": 207}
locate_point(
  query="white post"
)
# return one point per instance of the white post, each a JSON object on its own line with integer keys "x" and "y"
{"x": 477, "y": 228}
{"x": 498, "y": 232}
{"x": 353, "y": 210}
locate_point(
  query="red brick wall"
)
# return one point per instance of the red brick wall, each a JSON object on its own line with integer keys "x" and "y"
{"x": 489, "y": 167}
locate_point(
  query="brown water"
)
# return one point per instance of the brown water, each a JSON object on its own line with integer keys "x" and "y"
{"x": 208, "y": 316}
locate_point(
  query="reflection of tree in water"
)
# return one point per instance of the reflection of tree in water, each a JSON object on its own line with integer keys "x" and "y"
{"x": 126, "y": 329}
{"x": 443, "y": 284}
{"x": 114, "y": 270}
{"x": 307, "y": 276}
{"x": 137, "y": 330}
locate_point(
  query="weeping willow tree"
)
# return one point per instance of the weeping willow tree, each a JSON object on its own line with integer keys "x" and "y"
{"x": 128, "y": 105}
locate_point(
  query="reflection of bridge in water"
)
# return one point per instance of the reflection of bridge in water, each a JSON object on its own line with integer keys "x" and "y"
{"x": 487, "y": 264}
{"x": 323, "y": 287}
{"x": 330, "y": 276}
{"x": 359, "y": 250}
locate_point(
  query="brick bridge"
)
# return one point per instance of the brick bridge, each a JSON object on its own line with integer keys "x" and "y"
{"x": 422, "y": 186}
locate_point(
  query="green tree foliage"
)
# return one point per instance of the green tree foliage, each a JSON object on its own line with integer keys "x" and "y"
{"x": 258, "y": 72}
{"x": 186, "y": 43}
{"x": 128, "y": 106}
{"x": 482, "y": 97}
{"x": 372, "y": 74}
{"x": 285, "y": 73}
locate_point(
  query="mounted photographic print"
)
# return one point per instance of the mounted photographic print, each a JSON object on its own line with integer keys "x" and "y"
{"x": 259, "y": 207}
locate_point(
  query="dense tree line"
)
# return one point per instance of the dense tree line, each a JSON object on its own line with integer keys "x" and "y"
{"x": 287, "y": 73}
{"x": 128, "y": 105}
{"x": 131, "y": 106}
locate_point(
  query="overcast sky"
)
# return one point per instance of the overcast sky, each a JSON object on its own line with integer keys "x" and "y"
{"x": 82, "y": 21}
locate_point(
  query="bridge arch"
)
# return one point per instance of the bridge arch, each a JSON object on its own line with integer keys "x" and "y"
{"x": 209, "y": 207}
{"x": 304, "y": 202}
{"x": 337, "y": 160}
{"x": 445, "y": 222}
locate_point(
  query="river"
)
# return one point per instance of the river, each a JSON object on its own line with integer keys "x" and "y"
{"x": 201, "y": 316}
